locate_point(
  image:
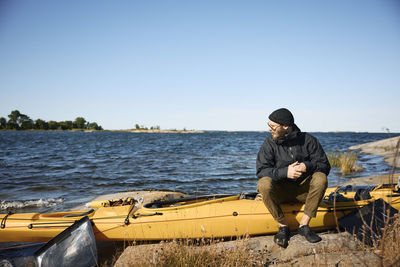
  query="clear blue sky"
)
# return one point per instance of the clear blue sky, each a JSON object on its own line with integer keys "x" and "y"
{"x": 211, "y": 65}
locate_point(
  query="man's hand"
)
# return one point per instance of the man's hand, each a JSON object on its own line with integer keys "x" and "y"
{"x": 301, "y": 167}
{"x": 293, "y": 171}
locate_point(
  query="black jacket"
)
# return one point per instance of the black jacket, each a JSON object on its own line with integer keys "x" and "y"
{"x": 275, "y": 156}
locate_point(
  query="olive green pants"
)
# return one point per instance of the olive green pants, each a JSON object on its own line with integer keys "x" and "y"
{"x": 311, "y": 191}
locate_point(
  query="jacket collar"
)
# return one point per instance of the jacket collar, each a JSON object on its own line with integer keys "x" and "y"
{"x": 288, "y": 137}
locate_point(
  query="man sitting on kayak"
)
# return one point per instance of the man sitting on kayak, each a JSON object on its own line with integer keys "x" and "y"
{"x": 292, "y": 167}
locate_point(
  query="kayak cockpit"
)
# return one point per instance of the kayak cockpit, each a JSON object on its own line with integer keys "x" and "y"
{"x": 184, "y": 201}
{"x": 197, "y": 199}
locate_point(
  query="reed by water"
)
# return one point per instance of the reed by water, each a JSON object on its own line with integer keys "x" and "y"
{"x": 346, "y": 161}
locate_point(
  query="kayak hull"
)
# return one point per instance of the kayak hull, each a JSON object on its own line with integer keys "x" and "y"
{"x": 225, "y": 217}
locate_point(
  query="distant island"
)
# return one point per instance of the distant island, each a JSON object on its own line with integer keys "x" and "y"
{"x": 156, "y": 129}
{"x": 19, "y": 121}
{"x": 22, "y": 122}
{"x": 161, "y": 131}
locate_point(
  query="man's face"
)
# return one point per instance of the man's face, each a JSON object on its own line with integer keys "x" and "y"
{"x": 277, "y": 130}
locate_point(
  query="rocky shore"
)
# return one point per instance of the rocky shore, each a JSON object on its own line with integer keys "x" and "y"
{"x": 387, "y": 148}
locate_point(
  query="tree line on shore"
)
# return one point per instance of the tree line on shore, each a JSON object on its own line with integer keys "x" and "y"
{"x": 142, "y": 127}
{"x": 19, "y": 121}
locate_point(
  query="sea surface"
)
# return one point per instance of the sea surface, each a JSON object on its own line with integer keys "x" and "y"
{"x": 52, "y": 171}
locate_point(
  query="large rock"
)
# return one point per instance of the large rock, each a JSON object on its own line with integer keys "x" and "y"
{"x": 387, "y": 148}
{"x": 375, "y": 179}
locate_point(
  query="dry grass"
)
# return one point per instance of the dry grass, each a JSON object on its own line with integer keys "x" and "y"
{"x": 189, "y": 253}
{"x": 345, "y": 161}
{"x": 386, "y": 246}
{"x": 389, "y": 246}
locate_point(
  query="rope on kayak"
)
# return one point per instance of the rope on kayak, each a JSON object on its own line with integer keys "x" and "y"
{"x": 135, "y": 216}
{"x": 57, "y": 220}
{"x": 52, "y": 224}
{"x": 3, "y": 221}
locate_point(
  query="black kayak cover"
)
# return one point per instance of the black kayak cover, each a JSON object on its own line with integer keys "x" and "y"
{"x": 75, "y": 246}
{"x": 367, "y": 222}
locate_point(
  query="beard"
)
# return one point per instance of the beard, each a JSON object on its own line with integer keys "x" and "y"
{"x": 280, "y": 133}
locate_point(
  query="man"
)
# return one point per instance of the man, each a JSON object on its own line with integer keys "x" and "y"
{"x": 292, "y": 167}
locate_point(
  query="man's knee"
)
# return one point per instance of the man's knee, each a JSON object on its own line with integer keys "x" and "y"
{"x": 264, "y": 185}
{"x": 319, "y": 180}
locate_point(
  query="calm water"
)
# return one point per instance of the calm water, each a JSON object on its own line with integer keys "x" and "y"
{"x": 58, "y": 170}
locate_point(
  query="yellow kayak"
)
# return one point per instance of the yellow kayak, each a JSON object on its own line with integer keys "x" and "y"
{"x": 202, "y": 217}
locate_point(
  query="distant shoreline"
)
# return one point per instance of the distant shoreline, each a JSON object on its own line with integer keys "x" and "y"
{"x": 85, "y": 130}
{"x": 178, "y": 131}
{"x": 56, "y": 130}
{"x": 157, "y": 131}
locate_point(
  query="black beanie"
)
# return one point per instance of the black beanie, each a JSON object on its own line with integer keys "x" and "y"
{"x": 282, "y": 116}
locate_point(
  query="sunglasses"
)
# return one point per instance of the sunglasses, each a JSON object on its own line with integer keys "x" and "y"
{"x": 273, "y": 128}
